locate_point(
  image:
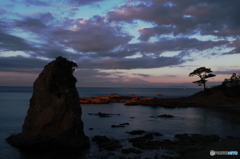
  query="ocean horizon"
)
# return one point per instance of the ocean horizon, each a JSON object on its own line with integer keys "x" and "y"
{"x": 125, "y": 91}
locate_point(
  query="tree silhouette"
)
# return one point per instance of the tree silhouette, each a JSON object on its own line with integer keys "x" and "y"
{"x": 233, "y": 81}
{"x": 202, "y": 73}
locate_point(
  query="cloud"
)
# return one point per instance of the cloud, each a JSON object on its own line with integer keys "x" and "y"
{"x": 142, "y": 75}
{"x": 31, "y": 24}
{"x": 22, "y": 64}
{"x": 235, "y": 44}
{"x": 13, "y": 43}
{"x": 91, "y": 35}
{"x": 169, "y": 76}
{"x": 37, "y": 2}
{"x": 227, "y": 72}
{"x": 38, "y": 22}
{"x": 100, "y": 43}
{"x": 134, "y": 63}
{"x": 82, "y": 2}
{"x": 216, "y": 17}
{"x": 74, "y": 9}
{"x": 96, "y": 78}
{"x": 2, "y": 11}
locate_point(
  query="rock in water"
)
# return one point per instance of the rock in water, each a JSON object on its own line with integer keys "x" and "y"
{"x": 54, "y": 116}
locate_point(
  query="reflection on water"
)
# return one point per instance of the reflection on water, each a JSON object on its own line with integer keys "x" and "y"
{"x": 186, "y": 120}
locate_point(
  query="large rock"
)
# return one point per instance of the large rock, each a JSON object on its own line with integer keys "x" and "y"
{"x": 54, "y": 116}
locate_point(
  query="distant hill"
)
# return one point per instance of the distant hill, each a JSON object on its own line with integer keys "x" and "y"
{"x": 219, "y": 96}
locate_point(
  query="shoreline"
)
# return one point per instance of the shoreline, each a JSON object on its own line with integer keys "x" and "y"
{"x": 201, "y": 99}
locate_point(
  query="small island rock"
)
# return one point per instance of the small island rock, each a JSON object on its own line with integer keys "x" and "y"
{"x": 54, "y": 116}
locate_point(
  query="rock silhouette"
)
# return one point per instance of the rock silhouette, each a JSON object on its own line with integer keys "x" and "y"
{"x": 54, "y": 116}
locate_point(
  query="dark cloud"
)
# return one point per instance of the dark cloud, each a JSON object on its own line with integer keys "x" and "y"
{"x": 146, "y": 33}
{"x": 132, "y": 63}
{"x": 13, "y": 43}
{"x": 169, "y": 76}
{"x": 37, "y": 2}
{"x": 90, "y": 73}
{"x": 169, "y": 44}
{"x": 2, "y": 11}
{"x": 92, "y": 35}
{"x": 235, "y": 44}
{"x": 82, "y": 2}
{"x": 31, "y": 24}
{"x": 217, "y": 17}
{"x": 227, "y": 72}
{"x": 142, "y": 75}
{"x": 21, "y": 64}
{"x": 39, "y": 22}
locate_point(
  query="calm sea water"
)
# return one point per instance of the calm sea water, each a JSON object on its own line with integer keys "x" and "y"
{"x": 14, "y": 102}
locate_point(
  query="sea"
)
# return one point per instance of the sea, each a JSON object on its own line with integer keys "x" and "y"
{"x": 14, "y": 103}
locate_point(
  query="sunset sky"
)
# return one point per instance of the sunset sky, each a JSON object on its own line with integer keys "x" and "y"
{"x": 120, "y": 43}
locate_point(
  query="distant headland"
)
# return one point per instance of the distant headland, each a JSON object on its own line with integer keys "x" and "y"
{"x": 219, "y": 96}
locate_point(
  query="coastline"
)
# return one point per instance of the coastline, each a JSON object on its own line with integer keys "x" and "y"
{"x": 201, "y": 99}
{"x": 186, "y": 147}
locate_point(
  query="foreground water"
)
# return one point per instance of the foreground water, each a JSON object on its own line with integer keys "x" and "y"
{"x": 14, "y": 102}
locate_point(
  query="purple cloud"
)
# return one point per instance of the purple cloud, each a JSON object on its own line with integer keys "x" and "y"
{"x": 82, "y": 2}
{"x": 183, "y": 17}
{"x": 123, "y": 63}
{"x": 37, "y": 2}
{"x": 92, "y": 35}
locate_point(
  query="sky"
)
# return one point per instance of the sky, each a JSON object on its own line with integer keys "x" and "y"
{"x": 120, "y": 43}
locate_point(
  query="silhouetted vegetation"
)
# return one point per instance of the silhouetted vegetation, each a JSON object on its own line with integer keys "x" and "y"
{"x": 202, "y": 73}
{"x": 233, "y": 81}
{"x": 62, "y": 74}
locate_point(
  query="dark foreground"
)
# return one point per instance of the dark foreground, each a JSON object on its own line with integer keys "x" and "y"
{"x": 184, "y": 146}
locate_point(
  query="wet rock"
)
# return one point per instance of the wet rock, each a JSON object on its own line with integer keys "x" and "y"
{"x": 152, "y": 116}
{"x": 106, "y": 143}
{"x": 120, "y": 125}
{"x": 131, "y": 150}
{"x": 165, "y": 116}
{"x": 103, "y": 115}
{"x": 198, "y": 138}
{"x": 182, "y": 136}
{"x": 156, "y": 134}
{"x": 123, "y": 157}
{"x": 136, "y": 132}
{"x": 147, "y": 145}
{"x": 54, "y": 116}
{"x": 117, "y": 126}
{"x": 145, "y": 142}
{"x": 169, "y": 157}
{"x": 100, "y": 139}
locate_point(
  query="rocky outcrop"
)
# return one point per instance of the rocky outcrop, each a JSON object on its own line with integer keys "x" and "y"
{"x": 112, "y": 98}
{"x": 54, "y": 116}
{"x": 104, "y": 142}
{"x": 213, "y": 97}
